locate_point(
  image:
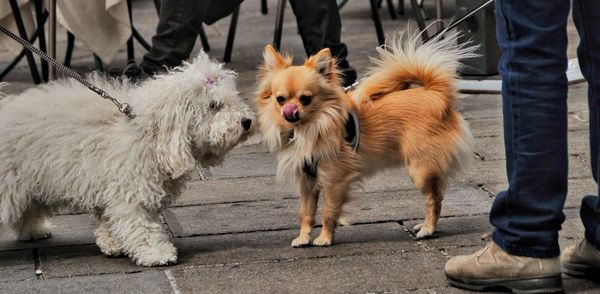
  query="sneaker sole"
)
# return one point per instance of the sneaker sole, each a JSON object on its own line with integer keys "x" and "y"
{"x": 538, "y": 285}
{"x": 580, "y": 269}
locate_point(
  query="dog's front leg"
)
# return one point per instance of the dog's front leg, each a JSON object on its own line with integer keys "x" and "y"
{"x": 309, "y": 198}
{"x": 104, "y": 239}
{"x": 141, "y": 233}
{"x": 335, "y": 196}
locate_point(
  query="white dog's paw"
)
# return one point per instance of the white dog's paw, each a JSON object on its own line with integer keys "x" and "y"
{"x": 110, "y": 246}
{"x": 161, "y": 254}
{"x": 423, "y": 231}
{"x": 35, "y": 233}
{"x": 301, "y": 241}
{"x": 322, "y": 241}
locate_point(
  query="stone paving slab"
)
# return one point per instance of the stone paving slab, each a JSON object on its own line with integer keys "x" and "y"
{"x": 372, "y": 273}
{"x": 246, "y": 165}
{"x": 235, "y": 190}
{"x": 269, "y": 188}
{"x": 282, "y": 214}
{"x": 233, "y": 249}
{"x": 66, "y": 230}
{"x": 16, "y": 265}
{"x": 144, "y": 282}
{"x": 491, "y": 170}
{"x": 456, "y": 233}
{"x": 480, "y": 106}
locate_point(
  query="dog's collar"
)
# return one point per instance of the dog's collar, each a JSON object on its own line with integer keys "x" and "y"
{"x": 352, "y": 137}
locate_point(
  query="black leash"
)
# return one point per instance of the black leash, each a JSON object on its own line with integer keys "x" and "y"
{"x": 436, "y": 35}
{"x": 123, "y": 107}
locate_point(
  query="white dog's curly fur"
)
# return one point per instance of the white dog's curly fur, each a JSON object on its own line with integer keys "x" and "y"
{"x": 60, "y": 144}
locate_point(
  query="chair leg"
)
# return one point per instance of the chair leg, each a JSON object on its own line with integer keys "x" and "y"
{"x": 231, "y": 34}
{"x": 98, "y": 63}
{"x": 4, "y": 72}
{"x": 377, "y": 21}
{"x": 39, "y": 14}
{"x": 400, "y": 7}
{"x": 140, "y": 38}
{"x": 341, "y": 3}
{"x": 204, "y": 39}
{"x": 70, "y": 47}
{"x": 264, "y": 9}
{"x": 23, "y": 34}
{"x": 439, "y": 15}
{"x": 157, "y": 6}
{"x": 420, "y": 20}
{"x": 279, "y": 24}
{"x": 392, "y": 9}
{"x": 130, "y": 49}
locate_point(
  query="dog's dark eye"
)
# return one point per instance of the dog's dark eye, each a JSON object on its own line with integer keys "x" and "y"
{"x": 305, "y": 100}
{"x": 215, "y": 105}
{"x": 280, "y": 99}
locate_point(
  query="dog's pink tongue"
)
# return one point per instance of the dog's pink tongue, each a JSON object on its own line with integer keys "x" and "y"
{"x": 289, "y": 110}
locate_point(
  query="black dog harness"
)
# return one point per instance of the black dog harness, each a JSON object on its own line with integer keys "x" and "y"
{"x": 352, "y": 137}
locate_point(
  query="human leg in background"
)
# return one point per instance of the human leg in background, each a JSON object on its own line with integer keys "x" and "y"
{"x": 320, "y": 27}
{"x": 178, "y": 27}
{"x": 523, "y": 254}
{"x": 584, "y": 258}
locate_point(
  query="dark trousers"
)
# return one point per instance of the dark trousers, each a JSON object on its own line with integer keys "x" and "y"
{"x": 179, "y": 24}
{"x": 320, "y": 27}
{"x": 532, "y": 35}
{"x": 180, "y": 21}
{"x": 178, "y": 27}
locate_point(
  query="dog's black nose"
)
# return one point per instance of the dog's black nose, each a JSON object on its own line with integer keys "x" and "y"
{"x": 246, "y": 123}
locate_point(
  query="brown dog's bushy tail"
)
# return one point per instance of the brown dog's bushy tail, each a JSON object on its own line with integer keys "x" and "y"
{"x": 406, "y": 62}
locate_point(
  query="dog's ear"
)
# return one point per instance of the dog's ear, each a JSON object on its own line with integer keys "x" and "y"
{"x": 170, "y": 122}
{"x": 274, "y": 60}
{"x": 323, "y": 63}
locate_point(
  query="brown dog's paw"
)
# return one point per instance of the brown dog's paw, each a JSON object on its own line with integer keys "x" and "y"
{"x": 322, "y": 241}
{"x": 423, "y": 231}
{"x": 301, "y": 241}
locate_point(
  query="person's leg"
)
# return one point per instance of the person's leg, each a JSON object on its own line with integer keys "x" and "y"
{"x": 586, "y": 14}
{"x": 178, "y": 26}
{"x": 522, "y": 255}
{"x": 320, "y": 27}
{"x": 533, "y": 38}
{"x": 583, "y": 259}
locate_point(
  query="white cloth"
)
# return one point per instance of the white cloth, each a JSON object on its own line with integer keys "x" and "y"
{"x": 101, "y": 25}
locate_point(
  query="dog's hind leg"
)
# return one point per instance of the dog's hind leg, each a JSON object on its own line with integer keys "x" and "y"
{"x": 142, "y": 234}
{"x": 104, "y": 239}
{"x": 35, "y": 223}
{"x": 432, "y": 184}
{"x": 309, "y": 198}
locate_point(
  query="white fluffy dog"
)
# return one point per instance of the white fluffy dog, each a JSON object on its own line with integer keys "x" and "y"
{"x": 62, "y": 145}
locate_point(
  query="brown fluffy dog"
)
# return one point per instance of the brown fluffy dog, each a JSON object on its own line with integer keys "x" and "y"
{"x": 407, "y": 114}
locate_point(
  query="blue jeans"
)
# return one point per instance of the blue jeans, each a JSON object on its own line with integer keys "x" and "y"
{"x": 533, "y": 38}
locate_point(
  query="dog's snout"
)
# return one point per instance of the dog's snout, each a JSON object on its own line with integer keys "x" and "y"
{"x": 246, "y": 123}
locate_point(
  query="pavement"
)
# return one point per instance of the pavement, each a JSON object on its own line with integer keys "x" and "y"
{"x": 234, "y": 230}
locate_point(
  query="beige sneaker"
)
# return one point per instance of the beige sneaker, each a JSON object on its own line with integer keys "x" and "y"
{"x": 581, "y": 259}
{"x": 492, "y": 268}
